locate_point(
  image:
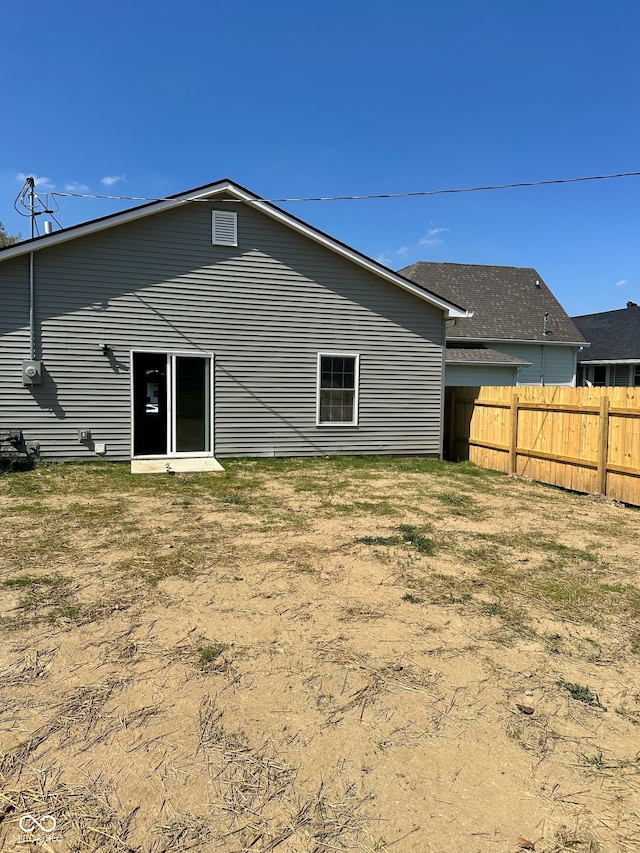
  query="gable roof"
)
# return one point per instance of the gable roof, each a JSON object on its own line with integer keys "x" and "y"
{"x": 614, "y": 335}
{"x": 226, "y": 188}
{"x": 508, "y": 303}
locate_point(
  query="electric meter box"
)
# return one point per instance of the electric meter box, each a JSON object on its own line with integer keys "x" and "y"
{"x": 31, "y": 372}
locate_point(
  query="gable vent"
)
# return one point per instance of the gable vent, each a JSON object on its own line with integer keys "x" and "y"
{"x": 225, "y": 228}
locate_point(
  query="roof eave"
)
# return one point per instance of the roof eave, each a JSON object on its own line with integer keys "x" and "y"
{"x": 468, "y": 338}
{"x": 612, "y": 361}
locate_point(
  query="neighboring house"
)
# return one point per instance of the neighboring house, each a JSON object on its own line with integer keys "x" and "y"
{"x": 214, "y": 324}
{"x": 518, "y": 333}
{"x": 614, "y": 355}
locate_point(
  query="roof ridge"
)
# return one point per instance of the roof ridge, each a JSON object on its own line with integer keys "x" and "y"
{"x": 463, "y": 264}
{"x": 602, "y": 313}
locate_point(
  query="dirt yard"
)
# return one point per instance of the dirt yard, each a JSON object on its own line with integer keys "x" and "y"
{"x": 316, "y": 655}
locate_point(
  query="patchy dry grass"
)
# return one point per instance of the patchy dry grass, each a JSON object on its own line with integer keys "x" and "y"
{"x": 361, "y": 653}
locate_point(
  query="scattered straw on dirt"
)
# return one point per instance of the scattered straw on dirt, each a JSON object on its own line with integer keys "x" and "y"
{"x": 305, "y": 656}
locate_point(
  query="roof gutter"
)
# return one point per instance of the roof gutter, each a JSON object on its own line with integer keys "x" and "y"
{"x": 491, "y": 363}
{"x": 473, "y": 338}
{"x": 612, "y": 361}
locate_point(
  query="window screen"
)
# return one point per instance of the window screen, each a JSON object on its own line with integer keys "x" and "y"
{"x": 619, "y": 374}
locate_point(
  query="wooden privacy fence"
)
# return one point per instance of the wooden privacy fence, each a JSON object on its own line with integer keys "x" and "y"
{"x": 584, "y": 439}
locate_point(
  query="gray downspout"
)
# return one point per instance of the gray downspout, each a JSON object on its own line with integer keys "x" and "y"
{"x": 32, "y": 314}
{"x": 443, "y": 392}
{"x": 542, "y": 367}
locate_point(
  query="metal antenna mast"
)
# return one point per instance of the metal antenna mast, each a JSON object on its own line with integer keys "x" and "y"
{"x": 30, "y": 186}
{"x": 29, "y": 203}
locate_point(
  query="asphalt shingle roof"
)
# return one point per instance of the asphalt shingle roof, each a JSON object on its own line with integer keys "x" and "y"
{"x": 614, "y": 335}
{"x": 480, "y": 355}
{"x": 508, "y": 303}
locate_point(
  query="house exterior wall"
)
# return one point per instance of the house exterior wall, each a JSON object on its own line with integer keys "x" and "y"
{"x": 550, "y": 365}
{"x": 264, "y": 308}
{"x": 479, "y": 374}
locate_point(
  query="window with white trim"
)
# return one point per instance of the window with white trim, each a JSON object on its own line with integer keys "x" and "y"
{"x": 224, "y": 228}
{"x": 338, "y": 378}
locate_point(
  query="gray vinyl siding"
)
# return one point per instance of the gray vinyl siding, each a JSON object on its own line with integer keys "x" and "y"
{"x": 479, "y": 374}
{"x": 557, "y": 367}
{"x": 265, "y": 309}
{"x": 560, "y": 365}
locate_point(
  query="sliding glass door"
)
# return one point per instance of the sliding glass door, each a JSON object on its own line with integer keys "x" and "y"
{"x": 192, "y": 410}
{"x": 172, "y": 411}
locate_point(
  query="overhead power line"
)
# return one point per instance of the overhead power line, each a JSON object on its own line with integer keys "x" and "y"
{"x": 416, "y": 194}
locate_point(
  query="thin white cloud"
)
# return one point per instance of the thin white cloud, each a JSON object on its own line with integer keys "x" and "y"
{"x": 622, "y": 282}
{"x": 431, "y": 238}
{"x": 40, "y": 182}
{"x": 75, "y": 187}
{"x": 110, "y": 180}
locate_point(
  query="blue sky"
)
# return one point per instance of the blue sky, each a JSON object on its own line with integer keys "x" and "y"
{"x": 340, "y": 98}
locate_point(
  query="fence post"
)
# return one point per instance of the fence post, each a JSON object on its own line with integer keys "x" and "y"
{"x": 452, "y": 423}
{"x": 603, "y": 446}
{"x": 513, "y": 436}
